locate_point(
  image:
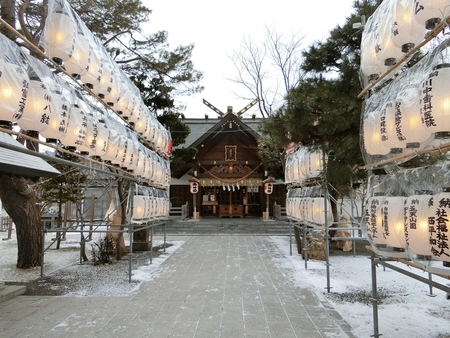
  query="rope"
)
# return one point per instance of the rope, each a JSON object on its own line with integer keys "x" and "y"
{"x": 230, "y": 180}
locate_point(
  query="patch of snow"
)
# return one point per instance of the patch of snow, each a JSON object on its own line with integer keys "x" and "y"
{"x": 405, "y": 310}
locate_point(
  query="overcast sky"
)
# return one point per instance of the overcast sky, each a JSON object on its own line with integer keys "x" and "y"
{"x": 216, "y": 28}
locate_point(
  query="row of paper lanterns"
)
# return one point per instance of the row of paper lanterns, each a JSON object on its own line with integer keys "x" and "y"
{"x": 411, "y": 113}
{"x": 154, "y": 205}
{"x": 307, "y": 205}
{"x": 67, "y": 40}
{"x": 395, "y": 28}
{"x": 302, "y": 165}
{"x": 417, "y": 226}
{"x": 58, "y": 111}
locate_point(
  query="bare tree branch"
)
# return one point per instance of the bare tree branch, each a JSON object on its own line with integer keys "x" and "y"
{"x": 268, "y": 70}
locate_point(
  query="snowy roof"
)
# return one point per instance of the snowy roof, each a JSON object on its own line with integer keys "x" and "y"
{"x": 199, "y": 127}
{"x": 20, "y": 163}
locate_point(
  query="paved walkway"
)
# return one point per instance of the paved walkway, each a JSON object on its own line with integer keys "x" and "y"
{"x": 213, "y": 286}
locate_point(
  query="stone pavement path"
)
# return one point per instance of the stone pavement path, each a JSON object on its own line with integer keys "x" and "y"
{"x": 213, "y": 286}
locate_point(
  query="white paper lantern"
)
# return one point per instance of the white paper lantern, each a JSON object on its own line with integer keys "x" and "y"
{"x": 141, "y": 212}
{"x": 141, "y": 161}
{"x": 37, "y": 108}
{"x": 150, "y": 134}
{"x": 107, "y": 88}
{"x": 392, "y": 222}
{"x": 77, "y": 128}
{"x": 58, "y": 37}
{"x": 131, "y": 155}
{"x": 315, "y": 160}
{"x": 409, "y": 120}
{"x": 439, "y": 227}
{"x": 142, "y": 125}
{"x": 406, "y": 33}
{"x": 100, "y": 140}
{"x": 435, "y": 100}
{"x": 167, "y": 176}
{"x": 386, "y": 51}
{"x": 373, "y": 219}
{"x": 77, "y": 65}
{"x": 94, "y": 69}
{"x": 319, "y": 214}
{"x": 391, "y": 128}
{"x": 288, "y": 177}
{"x": 114, "y": 143}
{"x": 430, "y": 13}
{"x": 59, "y": 116}
{"x": 372, "y": 137}
{"x": 13, "y": 88}
{"x": 119, "y": 152}
{"x": 416, "y": 225}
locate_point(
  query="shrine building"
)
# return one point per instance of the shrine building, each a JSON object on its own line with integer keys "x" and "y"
{"x": 227, "y": 172}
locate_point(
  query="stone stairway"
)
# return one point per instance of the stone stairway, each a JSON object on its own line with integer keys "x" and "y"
{"x": 10, "y": 291}
{"x": 218, "y": 226}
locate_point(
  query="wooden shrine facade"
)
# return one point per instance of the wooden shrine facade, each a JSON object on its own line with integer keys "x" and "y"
{"x": 229, "y": 172}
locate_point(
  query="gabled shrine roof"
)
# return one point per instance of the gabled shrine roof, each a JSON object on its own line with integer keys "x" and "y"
{"x": 202, "y": 128}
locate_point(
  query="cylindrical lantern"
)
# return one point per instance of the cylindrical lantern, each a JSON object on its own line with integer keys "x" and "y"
{"x": 78, "y": 62}
{"x": 435, "y": 100}
{"x": 13, "y": 87}
{"x": 390, "y": 128}
{"x": 59, "y": 116}
{"x": 94, "y": 69}
{"x": 416, "y": 225}
{"x": 120, "y": 151}
{"x": 406, "y": 33}
{"x": 141, "y": 161}
{"x": 101, "y": 139}
{"x": 320, "y": 215}
{"x": 315, "y": 163}
{"x": 439, "y": 227}
{"x": 151, "y": 131}
{"x": 77, "y": 128}
{"x": 430, "y": 13}
{"x": 107, "y": 80}
{"x": 392, "y": 222}
{"x": 408, "y": 121}
{"x": 140, "y": 209}
{"x": 142, "y": 125}
{"x": 131, "y": 156}
{"x": 161, "y": 142}
{"x": 387, "y": 52}
{"x": 167, "y": 176}
{"x": 90, "y": 142}
{"x": 371, "y": 67}
{"x": 373, "y": 144}
{"x": 287, "y": 171}
{"x": 114, "y": 143}
{"x": 36, "y": 114}
{"x": 373, "y": 219}
{"x": 136, "y": 114}
{"x": 58, "y": 37}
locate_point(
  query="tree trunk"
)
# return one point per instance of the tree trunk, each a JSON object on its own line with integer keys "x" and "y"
{"x": 116, "y": 216}
{"x": 8, "y": 13}
{"x": 20, "y": 202}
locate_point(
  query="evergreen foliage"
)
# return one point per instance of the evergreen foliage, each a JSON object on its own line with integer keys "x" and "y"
{"x": 323, "y": 111}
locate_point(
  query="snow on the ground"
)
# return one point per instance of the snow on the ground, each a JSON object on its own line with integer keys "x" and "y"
{"x": 83, "y": 279}
{"x": 406, "y": 309}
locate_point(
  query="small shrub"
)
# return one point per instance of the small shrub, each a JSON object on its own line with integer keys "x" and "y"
{"x": 103, "y": 251}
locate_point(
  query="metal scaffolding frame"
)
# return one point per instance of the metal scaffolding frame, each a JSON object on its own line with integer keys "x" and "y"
{"x": 127, "y": 228}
